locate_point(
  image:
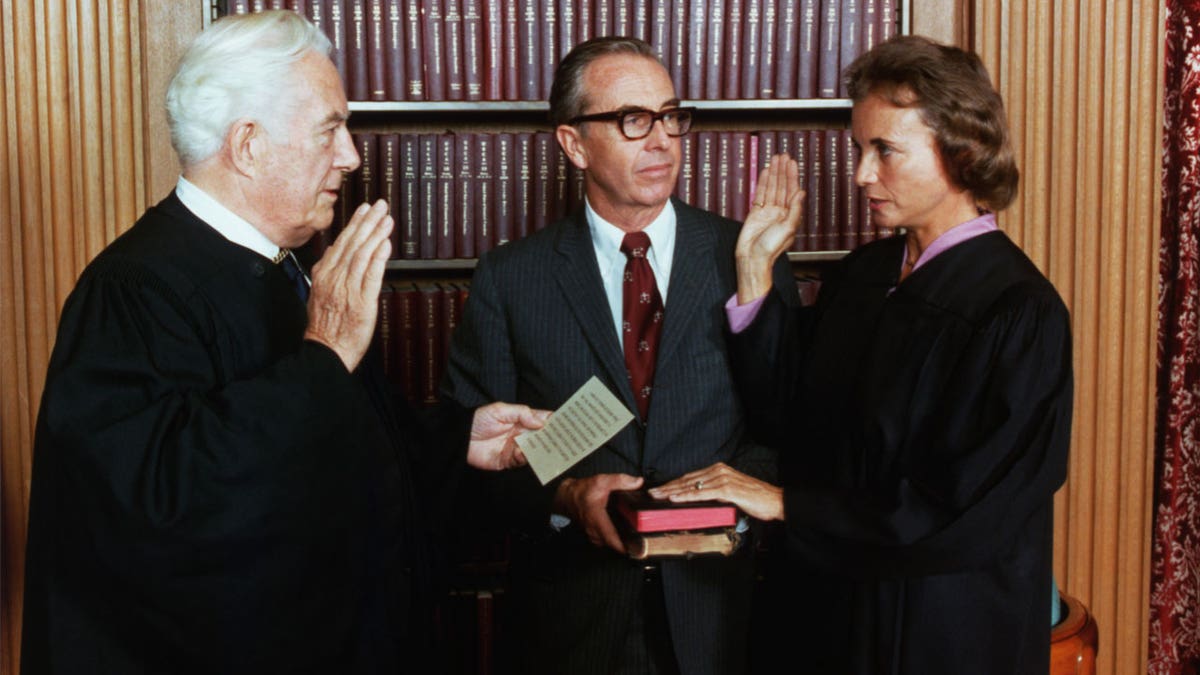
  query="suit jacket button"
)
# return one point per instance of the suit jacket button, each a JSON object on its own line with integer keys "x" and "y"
{"x": 258, "y": 269}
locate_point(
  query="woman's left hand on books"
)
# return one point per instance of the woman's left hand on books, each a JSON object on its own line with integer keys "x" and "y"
{"x": 721, "y": 482}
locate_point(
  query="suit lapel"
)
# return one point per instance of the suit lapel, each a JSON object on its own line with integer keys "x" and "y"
{"x": 578, "y": 274}
{"x": 694, "y": 242}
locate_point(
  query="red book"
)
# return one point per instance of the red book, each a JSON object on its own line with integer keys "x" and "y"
{"x": 258, "y": 6}
{"x": 851, "y": 28}
{"x": 541, "y": 205}
{"x": 368, "y": 170}
{"x": 768, "y": 147}
{"x": 642, "y": 16}
{"x": 493, "y": 50}
{"x": 602, "y": 18}
{"x": 414, "y": 60}
{"x": 566, "y": 31}
{"x": 446, "y": 194}
{"x": 406, "y": 341}
{"x": 408, "y": 218}
{"x": 474, "y": 49}
{"x": 803, "y": 239}
{"x": 504, "y": 213}
{"x": 751, "y": 47}
{"x": 706, "y": 171}
{"x": 787, "y": 49}
{"x": 384, "y": 332}
{"x": 740, "y": 176}
{"x": 316, "y": 14}
{"x": 677, "y": 63}
{"x": 810, "y": 49}
{"x": 698, "y": 19}
{"x": 453, "y": 53}
{"x": 237, "y": 7}
{"x": 396, "y": 53}
{"x": 827, "y": 65}
{"x": 389, "y": 184}
{"x": 724, "y": 182}
{"x": 715, "y": 38}
{"x": 433, "y": 36}
{"x": 522, "y": 183}
{"x": 814, "y": 206}
{"x": 660, "y": 31}
{"x": 562, "y": 185}
{"x": 770, "y": 42}
{"x": 450, "y": 319}
{"x": 583, "y": 21}
{"x": 379, "y": 57}
{"x": 622, "y": 17}
{"x": 576, "y": 188}
{"x": 685, "y": 183}
{"x": 483, "y": 190}
{"x": 336, "y": 32}
{"x": 831, "y": 193}
{"x": 512, "y": 51}
{"x": 887, "y": 19}
{"x": 643, "y": 513}
{"x": 464, "y": 205}
{"x": 549, "y": 44}
{"x": 733, "y": 51}
{"x": 358, "y": 77}
{"x": 869, "y": 37}
{"x": 850, "y": 193}
{"x": 429, "y": 190}
{"x": 529, "y": 68}
{"x": 429, "y": 322}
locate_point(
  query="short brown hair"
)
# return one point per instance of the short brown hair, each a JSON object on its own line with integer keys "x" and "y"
{"x": 955, "y": 96}
{"x": 568, "y": 100}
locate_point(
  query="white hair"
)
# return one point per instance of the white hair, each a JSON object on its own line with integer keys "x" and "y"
{"x": 235, "y": 69}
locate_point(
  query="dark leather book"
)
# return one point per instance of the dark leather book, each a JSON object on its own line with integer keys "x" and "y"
{"x": 583, "y": 21}
{"x": 740, "y": 175}
{"x": 567, "y": 31}
{"x": 602, "y": 18}
{"x": 485, "y": 633}
{"x": 389, "y": 184}
{"x": 368, "y": 170}
{"x": 380, "y": 58}
{"x": 622, "y": 17}
{"x": 802, "y": 240}
{"x": 492, "y": 50}
{"x": 576, "y": 187}
{"x": 809, "y": 55}
{"x": 734, "y": 52}
{"x": 450, "y": 319}
{"x": 724, "y": 181}
{"x": 301, "y": 7}
{"x": 453, "y": 33}
{"x": 429, "y": 190}
{"x": 769, "y": 42}
{"x": 316, "y": 14}
{"x": 464, "y": 204}
{"x": 851, "y": 197}
{"x": 828, "y": 69}
{"x": 768, "y": 147}
{"x": 642, "y": 16}
{"x": 814, "y": 206}
{"x": 543, "y": 187}
{"x": 446, "y": 195}
{"x": 697, "y": 50}
{"x": 714, "y": 43}
{"x": 406, "y": 341}
{"x": 505, "y": 212}
{"x": 522, "y": 183}
{"x": 396, "y": 52}
{"x": 869, "y": 12}
{"x": 641, "y": 513}
{"x": 258, "y": 6}
{"x": 358, "y": 77}
{"x": 849, "y": 47}
{"x": 549, "y": 44}
{"x": 429, "y": 337}
{"x": 751, "y": 47}
{"x": 685, "y": 183}
{"x": 562, "y": 185}
{"x": 677, "y": 64}
{"x": 414, "y": 59}
{"x": 276, "y": 4}
{"x": 474, "y": 49}
{"x": 529, "y": 68}
{"x": 483, "y": 191}
{"x": 237, "y": 7}
{"x": 408, "y": 210}
{"x": 384, "y": 332}
{"x": 660, "y": 31}
{"x": 706, "y": 171}
{"x": 887, "y": 19}
{"x": 433, "y": 38}
{"x": 831, "y": 193}
{"x": 787, "y": 48}
{"x": 512, "y": 50}
{"x": 721, "y": 541}
{"x": 335, "y": 15}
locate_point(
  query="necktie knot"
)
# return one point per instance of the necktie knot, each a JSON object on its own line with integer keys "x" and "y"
{"x": 635, "y": 244}
{"x": 291, "y": 268}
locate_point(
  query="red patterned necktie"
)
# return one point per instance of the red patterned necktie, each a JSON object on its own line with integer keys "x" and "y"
{"x": 643, "y": 318}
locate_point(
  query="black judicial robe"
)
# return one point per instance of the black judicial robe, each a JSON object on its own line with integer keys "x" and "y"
{"x": 211, "y": 493}
{"x": 923, "y": 433}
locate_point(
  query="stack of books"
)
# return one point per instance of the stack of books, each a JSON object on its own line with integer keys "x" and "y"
{"x": 655, "y": 528}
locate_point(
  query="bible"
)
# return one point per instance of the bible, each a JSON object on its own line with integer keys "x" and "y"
{"x": 653, "y": 528}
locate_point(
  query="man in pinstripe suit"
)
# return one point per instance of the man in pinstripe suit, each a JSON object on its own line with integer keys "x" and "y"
{"x": 545, "y": 315}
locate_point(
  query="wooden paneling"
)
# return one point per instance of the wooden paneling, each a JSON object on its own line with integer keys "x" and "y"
{"x": 1082, "y": 83}
{"x": 83, "y": 140}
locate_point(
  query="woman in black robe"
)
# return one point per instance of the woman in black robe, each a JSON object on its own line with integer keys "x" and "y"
{"x": 922, "y": 407}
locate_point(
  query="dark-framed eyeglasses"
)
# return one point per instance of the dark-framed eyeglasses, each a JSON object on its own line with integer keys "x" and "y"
{"x": 636, "y": 123}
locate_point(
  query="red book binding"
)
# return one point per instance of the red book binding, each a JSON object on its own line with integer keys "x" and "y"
{"x": 464, "y": 204}
{"x": 414, "y": 60}
{"x": 643, "y": 513}
{"x": 376, "y": 45}
{"x": 787, "y": 49}
{"x": 446, "y": 194}
{"x": 358, "y": 77}
{"x": 769, "y": 43}
{"x": 851, "y": 24}
{"x": 453, "y": 52}
{"x": 827, "y": 66}
{"x": 504, "y": 214}
{"x": 408, "y": 211}
{"x": 809, "y": 50}
{"x": 473, "y": 49}
{"x": 396, "y": 54}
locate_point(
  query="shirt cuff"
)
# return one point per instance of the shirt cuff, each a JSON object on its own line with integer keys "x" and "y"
{"x": 741, "y": 316}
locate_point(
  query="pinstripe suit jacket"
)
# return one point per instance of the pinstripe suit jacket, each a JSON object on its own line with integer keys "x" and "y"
{"x": 537, "y": 326}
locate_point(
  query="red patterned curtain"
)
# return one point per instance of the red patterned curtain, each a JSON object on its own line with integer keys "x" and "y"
{"x": 1175, "y": 557}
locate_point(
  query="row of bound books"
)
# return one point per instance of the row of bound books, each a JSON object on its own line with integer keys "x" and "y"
{"x": 416, "y": 321}
{"x": 458, "y": 195}
{"x": 507, "y": 50}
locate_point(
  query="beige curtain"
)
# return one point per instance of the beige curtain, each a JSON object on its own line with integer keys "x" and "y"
{"x": 1082, "y": 80}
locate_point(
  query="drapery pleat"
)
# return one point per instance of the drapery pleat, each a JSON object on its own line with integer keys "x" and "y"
{"x": 1175, "y": 558}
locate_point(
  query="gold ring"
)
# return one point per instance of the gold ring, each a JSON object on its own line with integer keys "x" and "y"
{"x": 758, "y": 205}
{"x": 699, "y": 485}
